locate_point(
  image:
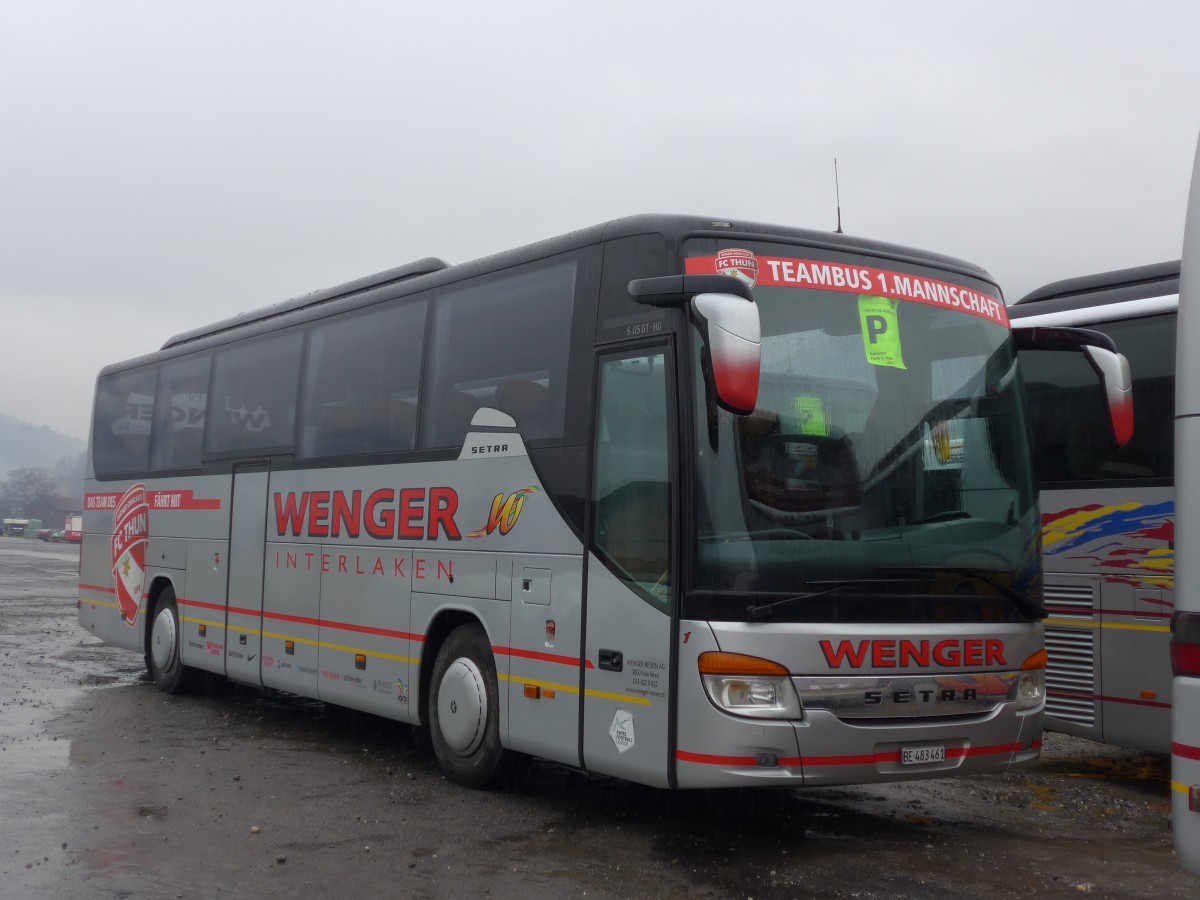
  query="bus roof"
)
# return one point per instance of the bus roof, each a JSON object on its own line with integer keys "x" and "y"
{"x": 430, "y": 272}
{"x": 1137, "y": 283}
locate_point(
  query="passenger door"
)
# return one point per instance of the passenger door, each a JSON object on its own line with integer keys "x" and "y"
{"x": 247, "y": 534}
{"x": 632, "y": 569}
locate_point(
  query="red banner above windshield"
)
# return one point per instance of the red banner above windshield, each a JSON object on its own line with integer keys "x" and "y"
{"x": 847, "y": 278}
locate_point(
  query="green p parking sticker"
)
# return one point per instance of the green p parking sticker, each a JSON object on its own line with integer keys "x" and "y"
{"x": 880, "y": 331}
{"x": 810, "y": 412}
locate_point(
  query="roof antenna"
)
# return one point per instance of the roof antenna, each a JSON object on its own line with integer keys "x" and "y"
{"x": 837, "y": 192}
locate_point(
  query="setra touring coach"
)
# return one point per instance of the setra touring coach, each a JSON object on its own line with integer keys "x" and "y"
{"x": 689, "y": 502}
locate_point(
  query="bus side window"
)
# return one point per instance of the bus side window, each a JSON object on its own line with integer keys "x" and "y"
{"x": 122, "y": 424}
{"x": 253, "y": 403}
{"x": 632, "y": 520}
{"x": 361, "y": 382}
{"x": 502, "y": 341}
{"x": 179, "y": 413}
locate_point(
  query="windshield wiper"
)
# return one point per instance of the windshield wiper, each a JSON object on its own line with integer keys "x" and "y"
{"x": 1030, "y": 607}
{"x": 765, "y": 610}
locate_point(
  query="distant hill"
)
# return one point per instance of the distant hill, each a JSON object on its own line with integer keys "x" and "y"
{"x": 23, "y": 445}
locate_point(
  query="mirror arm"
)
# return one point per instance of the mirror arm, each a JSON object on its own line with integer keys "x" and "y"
{"x": 676, "y": 290}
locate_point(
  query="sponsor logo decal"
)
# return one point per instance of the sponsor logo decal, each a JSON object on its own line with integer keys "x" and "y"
{"x": 621, "y": 730}
{"x": 131, "y": 534}
{"x": 738, "y": 263}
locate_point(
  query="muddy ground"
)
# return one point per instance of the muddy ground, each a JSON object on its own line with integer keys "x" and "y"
{"x": 111, "y": 789}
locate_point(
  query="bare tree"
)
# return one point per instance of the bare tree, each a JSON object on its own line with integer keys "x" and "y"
{"x": 23, "y": 485}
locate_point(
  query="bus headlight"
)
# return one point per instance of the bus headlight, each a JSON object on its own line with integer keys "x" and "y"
{"x": 1031, "y": 686}
{"x": 749, "y": 686}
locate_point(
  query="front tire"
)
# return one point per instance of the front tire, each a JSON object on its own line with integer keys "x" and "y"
{"x": 464, "y": 709}
{"x": 163, "y": 658}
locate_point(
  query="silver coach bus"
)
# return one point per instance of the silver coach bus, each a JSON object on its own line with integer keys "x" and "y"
{"x": 689, "y": 502}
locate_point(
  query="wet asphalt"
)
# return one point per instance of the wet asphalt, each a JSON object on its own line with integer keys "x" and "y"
{"x": 110, "y": 789}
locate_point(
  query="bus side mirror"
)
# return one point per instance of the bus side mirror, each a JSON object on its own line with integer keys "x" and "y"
{"x": 1102, "y": 355}
{"x": 730, "y": 329}
{"x": 723, "y": 309}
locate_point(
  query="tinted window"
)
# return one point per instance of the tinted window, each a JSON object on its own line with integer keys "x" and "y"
{"x": 253, "y": 403}
{"x": 632, "y": 476}
{"x": 179, "y": 413}
{"x": 122, "y": 423}
{"x": 1070, "y": 421}
{"x": 501, "y": 341}
{"x": 361, "y": 382}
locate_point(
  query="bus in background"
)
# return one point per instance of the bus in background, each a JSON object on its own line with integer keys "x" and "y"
{"x": 1108, "y": 514}
{"x": 1185, "y": 626}
{"x": 693, "y": 503}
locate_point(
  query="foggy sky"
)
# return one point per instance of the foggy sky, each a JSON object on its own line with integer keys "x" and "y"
{"x": 165, "y": 165}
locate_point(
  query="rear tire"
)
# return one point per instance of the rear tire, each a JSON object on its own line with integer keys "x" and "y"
{"x": 464, "y": 709}
{"x": 163, "y": 659}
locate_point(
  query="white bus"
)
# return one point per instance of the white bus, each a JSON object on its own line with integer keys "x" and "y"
{"x": 1108, "y": 514}
{"x": 687, "y": 502}
{"x": 1185, "y": 626}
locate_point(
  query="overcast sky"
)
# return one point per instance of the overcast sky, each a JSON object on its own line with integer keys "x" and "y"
{"x": 168, "y": 164}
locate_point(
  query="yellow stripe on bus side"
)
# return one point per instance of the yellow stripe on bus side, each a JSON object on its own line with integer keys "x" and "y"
{"x": 106, "y": 605}
{"x": 319, "y": 644}
{"x": 391, "y": 656}
{"x": 1119, "y": 626}
{"x": 1180, "y": 788}
{"x": 620, "y": 698}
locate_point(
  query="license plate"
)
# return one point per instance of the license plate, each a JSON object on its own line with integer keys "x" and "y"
{"x": 911, "y": 756}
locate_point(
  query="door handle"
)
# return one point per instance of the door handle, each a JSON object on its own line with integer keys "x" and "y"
{"x": 612, "y": 660}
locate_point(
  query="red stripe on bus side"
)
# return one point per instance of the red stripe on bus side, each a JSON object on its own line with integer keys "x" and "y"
{"x": 1186, "y": 751}
{"x": 363, "y": 629}
{"x": 709, "y": 759}
{"x": 96, "y": 587}
{"x": 199, "y": 604}
{"x": 864, "y": 759}
{"x": 540, "y": 657}
{"x": 1155, "y": 704}
{"x": 303, "y": 620}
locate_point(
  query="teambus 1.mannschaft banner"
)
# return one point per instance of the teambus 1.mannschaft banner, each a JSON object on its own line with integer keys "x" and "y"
{"x": 817, "y": 275}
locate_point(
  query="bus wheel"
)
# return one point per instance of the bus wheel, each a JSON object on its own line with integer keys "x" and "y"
{"x": 464, "y": 709}
{"x": 163, "y": 659}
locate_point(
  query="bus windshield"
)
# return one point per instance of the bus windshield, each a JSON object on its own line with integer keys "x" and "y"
{"x": 885, "y": 473}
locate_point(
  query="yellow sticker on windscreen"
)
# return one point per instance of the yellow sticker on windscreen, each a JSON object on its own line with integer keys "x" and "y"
{"x": 880, "y": 331}
{"x": 810, "y": 412}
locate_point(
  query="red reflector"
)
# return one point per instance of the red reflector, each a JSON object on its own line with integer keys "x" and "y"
{"x": 1185, "y": 658}
{"x": 1185, "y": 643}
{"x": 1194, "y": 798}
